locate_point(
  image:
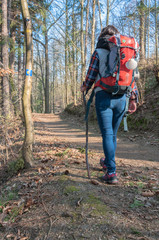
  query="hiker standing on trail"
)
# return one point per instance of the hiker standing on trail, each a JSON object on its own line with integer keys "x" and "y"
{"x": 110, "y": 108}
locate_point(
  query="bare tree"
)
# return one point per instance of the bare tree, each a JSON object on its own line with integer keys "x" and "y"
{"x": 141, "y": 30}
{"x": 148, "y": 33}
{"x": 5, "y": 60}
{"x": 47, "y": 107}
{"x": 108, "y": 10}
{"x": 86, "y": 35}
{"x": 66, "y": 56}
{"x": 156, "y": 32}
{"x": 82, "y": 45}
{"x": 100, "y": 18}
{"x": 29, "y": 136}
{"x": 73, "y": 55}
{"x": 93, "y": 27}
{"x": 19, "y": 68}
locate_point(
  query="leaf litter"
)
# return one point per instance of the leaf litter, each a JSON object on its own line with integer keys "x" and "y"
{"x": 56, "y": 200}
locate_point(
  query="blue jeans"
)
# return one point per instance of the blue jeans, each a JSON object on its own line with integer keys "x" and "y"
{"x": 110, "y": 111}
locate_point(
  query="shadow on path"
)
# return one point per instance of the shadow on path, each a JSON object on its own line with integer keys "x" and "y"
{"x": 69, "y": 130}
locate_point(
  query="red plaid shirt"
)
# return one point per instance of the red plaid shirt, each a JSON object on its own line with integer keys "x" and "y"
{"x": 93, "y": 70}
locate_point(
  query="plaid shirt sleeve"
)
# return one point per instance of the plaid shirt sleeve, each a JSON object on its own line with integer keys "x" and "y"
{"x": 93, "y": 70}
{"x": 135, "y": 92}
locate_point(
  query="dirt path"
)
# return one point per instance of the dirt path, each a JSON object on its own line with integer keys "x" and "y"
{"x": 56, "y": 200}
{"x": 132, "y": 149}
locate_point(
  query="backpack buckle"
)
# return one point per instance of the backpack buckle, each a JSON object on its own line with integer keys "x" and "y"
{"x": 116, "y": 90}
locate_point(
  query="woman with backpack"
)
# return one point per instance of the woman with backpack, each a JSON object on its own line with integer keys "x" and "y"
{"x": 110, "y": 108}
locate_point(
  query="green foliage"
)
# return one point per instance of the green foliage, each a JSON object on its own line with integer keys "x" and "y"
{"x": 82, "y": 150}
{"x": 142, "y": 7}
{"x": 140, "y": 185}
{"x": 136, "y": 204}
{"x": 62, "y": 154}
{"x": 16, "y": 166}
{"x": 135, "y": 231}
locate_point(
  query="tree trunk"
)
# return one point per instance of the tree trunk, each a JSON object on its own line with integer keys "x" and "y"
{"x": 148, "y": 33}
{"x": 86, "y": 36}
{"x": 28, "y": 141}
{"x": 5, "y": 61}
{"x": 19, "y": 70}
{"x": 145, "y": 30}
{"x": 53, "y": 81}
{"x": 77, "y": 62}
{"x": 47, "y": 108}
{"x": 24, "y": 57}
{"x": 70, "y": 67}
{"x": 82, "y": 45}
{"x": 66, "y": 57}
{"x": 13, "y": 105}
{"x": 134, "y": 26}
{"x": 156, "y": 32}
{"x": 142, "y": 45}
{"x": 93, "y": 27}
{"x": 73, "y": 57}
{"x": 100, "y": 18}
{"x": 156, "y": 68}
{"x": 108, "y": 10}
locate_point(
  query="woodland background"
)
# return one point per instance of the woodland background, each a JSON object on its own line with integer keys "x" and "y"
{"x": 45, "y": 192}
{"x": 63, "y": 35}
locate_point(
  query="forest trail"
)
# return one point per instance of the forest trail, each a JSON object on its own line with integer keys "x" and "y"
{"x": 89, "y": 211}
{"x": 56, "y": 200}
{"x": 132, "y": 149}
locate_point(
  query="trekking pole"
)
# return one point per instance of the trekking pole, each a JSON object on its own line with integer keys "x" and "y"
{"x": 126, "y": 112}
{"x": 86, "y": 148}
{"x": 125, "y": 124}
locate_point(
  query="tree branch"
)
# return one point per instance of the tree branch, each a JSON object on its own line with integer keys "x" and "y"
{"x": 39, "y": 42}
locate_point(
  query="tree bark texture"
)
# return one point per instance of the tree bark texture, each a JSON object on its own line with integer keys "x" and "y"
{"x": 82, "y": 45}
{"x": 66, "y": 57}
{"x": 148, "y": 33}
{"x": 100, "y": 18}
{"x": 86, "y": 36}
{"x": 73, "y": 57}
{"x": 53, "y": 81}
{"x": 19, "y": 70}
{"x": 5, "y": 61}
{"x": 142, "y": 27}
{"x": 156, "y": 32}
{"x": 13, "y": 105}
{"x": 47, "y": 108}
{"x": 93, "y": 27}
{"x": 29, "y": 136}
{"x": 108, "y": 10}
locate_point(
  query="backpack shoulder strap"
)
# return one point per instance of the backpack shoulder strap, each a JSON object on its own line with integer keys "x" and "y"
{"x": 113, "y": 58}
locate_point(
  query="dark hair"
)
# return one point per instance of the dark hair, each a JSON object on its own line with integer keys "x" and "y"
{"x": 108, "y": 30}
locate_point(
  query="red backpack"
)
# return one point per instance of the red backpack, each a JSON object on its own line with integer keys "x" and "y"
{"x": 120, "y": 65}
